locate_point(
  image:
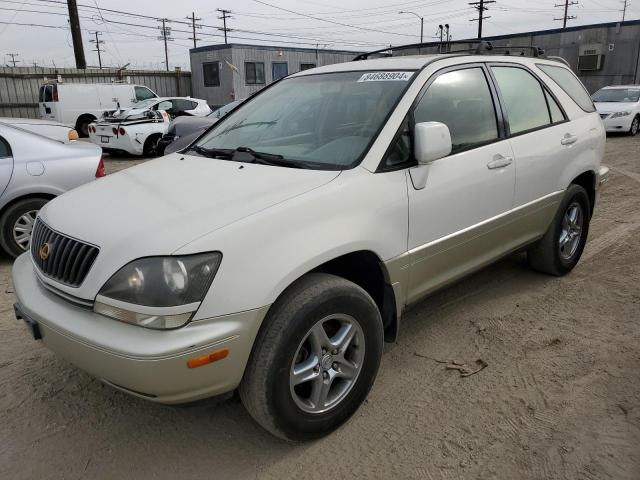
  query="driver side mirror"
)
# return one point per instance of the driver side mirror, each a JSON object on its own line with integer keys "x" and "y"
{"x": 432, "y": 141}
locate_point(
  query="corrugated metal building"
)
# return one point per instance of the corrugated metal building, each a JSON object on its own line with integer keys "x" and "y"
{"x": 221, "y": 73}
{"x": 600, "y": 54}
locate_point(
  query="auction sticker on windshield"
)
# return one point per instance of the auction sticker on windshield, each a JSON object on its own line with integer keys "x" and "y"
{"x": 385, "y": 77}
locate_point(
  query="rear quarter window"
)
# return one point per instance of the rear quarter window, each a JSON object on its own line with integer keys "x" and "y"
{"x": 5, "y": 150}
{"x": 573, "y": 87}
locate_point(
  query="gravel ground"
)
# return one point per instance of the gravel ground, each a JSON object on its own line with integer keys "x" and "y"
{"x": 560, "y": 397}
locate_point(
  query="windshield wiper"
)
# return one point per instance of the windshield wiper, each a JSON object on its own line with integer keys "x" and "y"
{"x": 225, "y": 153}
{"x": 246, "y": 154}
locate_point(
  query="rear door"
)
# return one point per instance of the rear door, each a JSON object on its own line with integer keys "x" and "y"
{"x": 453, "y": 220}
{"x": 6, "y": 163}
{"x": 542, "y": 138}
{"x": 45, "y": 100}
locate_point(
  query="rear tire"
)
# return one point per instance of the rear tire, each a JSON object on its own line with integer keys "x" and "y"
{"x": 562, "y": 245}
{"x": 150, "y": 148}
{"x": 293, "y": 386}
{"x": 16, "y": 225}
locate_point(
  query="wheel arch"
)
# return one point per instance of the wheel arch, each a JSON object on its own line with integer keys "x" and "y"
{"x": 587, "y": 180}
{"x": 365, "y": 269}
{"x": 27, "y": 196}
{"x": 84, "y": 116}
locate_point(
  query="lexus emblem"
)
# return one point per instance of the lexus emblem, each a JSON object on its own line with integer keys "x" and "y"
{"x": 44, "y": 251}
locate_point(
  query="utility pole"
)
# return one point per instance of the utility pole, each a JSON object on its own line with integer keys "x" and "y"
{"x": 13, "y": 58}
{"x": 624, "y": 9}
{"x": 441, "y": 32}
{"x": 447, "y": 37}
{"x": 567, "y": 4}
{"x": 76, "y": 34}
{"x": 225, "y": 15}
{"x": 98, "y": 42}
{"x": 194, "y": 26}
{"x": 166, "y": 37}
{"x": 480, "y": 6}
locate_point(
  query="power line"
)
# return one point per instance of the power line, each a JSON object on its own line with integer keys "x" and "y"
{"x": 331, "y": 21}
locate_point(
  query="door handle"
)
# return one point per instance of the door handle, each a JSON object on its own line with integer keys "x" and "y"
{"x": 569, "y": 139}
{"x": 499, "y": 162}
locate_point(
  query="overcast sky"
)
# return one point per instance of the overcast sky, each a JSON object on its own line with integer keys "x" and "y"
{"x": 345, "y": 24}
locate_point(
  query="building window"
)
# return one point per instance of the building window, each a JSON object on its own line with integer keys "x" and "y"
{"x": 279, "y": 70}
{"x": 254, "y": 73}
{"x": 211, "y": 74}
{"x": 307, "y": 66}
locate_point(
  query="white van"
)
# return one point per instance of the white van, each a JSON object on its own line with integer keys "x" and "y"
{"x": 79, "y": 104}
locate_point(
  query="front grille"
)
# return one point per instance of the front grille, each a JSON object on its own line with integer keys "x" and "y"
{"x": 68, "y": 260}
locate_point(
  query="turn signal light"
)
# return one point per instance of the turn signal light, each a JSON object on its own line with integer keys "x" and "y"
{"x": 121, "y": 131}
{"x": 114, "y": 130}
{"x": 206, "y": 359}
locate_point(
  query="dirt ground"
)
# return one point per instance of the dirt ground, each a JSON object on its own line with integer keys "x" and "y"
{"x": 560, "y": 397}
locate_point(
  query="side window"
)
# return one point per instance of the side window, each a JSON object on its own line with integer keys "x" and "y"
{"x": 554, "y": 109}
{"x": 568, "y": 82}
{"x": 211, "y": 74}
{"x": 523, "y": 97}
{"x": 254, "y": 73}
{"x": 166, "y": 106}
{"x": 462, "y": 101}
{"x": 143, "y": 93}
{"x": 48, "y": 93}
{"x": 5, "y": 151}
{"x": 399, "y": 152}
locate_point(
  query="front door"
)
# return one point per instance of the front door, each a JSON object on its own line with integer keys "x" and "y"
{"x": 455, "y": 220}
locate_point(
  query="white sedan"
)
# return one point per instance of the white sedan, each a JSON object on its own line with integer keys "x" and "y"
{"x": 137, "y": 130}
{"x": 619, "y": 108}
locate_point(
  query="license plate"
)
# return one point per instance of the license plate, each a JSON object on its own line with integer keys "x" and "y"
{"x": 104, "y": 139}
{"x": 31, "y": 324}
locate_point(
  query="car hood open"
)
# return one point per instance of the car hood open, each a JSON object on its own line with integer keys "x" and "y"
{"x": 157, "y": 207}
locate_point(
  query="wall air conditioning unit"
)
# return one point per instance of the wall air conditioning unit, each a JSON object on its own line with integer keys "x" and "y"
{"x": 590, "y": 57}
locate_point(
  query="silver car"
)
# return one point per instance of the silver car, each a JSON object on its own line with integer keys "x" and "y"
{"x": 33, "y": 170}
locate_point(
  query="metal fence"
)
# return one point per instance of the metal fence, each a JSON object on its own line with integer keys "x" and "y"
{"x": 19, "y": 85}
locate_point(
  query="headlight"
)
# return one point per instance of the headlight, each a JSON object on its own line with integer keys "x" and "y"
{"x": 158, "y": 292}
{"x": 621, "y": 114}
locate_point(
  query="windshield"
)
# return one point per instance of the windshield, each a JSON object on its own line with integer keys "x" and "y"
{"x": 145, "y": 103}
{"x": 627, "y": 95}
{"x": 324, "y": 121}
{"x": 224, "y": 110}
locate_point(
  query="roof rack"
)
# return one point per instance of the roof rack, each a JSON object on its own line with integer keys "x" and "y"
{"x": 481, "y": 48}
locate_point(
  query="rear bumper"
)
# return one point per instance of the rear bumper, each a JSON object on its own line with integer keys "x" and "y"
{"x": 147, "y": 363}
{"x": 127, "y": 143}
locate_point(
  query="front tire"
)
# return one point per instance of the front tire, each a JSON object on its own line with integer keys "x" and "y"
{"x": 562, "y": 245}
{"x": 17, "y": 223}
{"x": 635, "y": 126}
{"x": 315, "y": 358}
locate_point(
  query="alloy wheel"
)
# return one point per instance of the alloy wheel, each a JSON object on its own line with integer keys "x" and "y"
{"x": 22, "y": 229}
{"x": 327, "y": 363}
{"x": 571, "y": 231}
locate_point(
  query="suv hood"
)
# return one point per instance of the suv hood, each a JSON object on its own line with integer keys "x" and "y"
{"x": 187, "y": 125}
{"x": 611, "y": 107}
{"x": 159, "y": 206}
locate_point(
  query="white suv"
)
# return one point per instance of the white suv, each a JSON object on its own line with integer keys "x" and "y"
{"x": 278, "y": 252}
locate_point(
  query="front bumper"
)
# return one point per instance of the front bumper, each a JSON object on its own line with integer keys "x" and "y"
{"x": 618, "y": 124}
{"x": 147, "y": 363}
